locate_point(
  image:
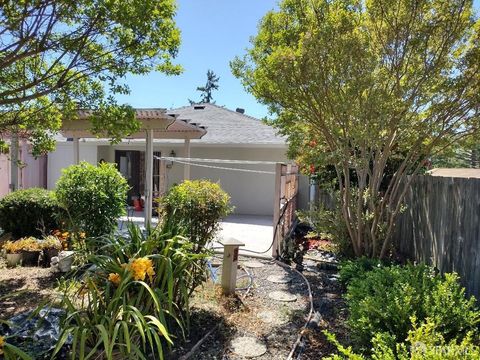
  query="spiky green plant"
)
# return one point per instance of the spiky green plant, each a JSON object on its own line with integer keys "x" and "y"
{"x": 134, "y": 298}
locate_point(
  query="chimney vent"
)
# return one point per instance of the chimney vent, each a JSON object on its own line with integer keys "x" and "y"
{"x": 240, "y": 110}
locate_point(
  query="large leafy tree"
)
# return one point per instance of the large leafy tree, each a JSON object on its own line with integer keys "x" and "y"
{"x": 60, "y": 55}
{"x": 368, "y": 81}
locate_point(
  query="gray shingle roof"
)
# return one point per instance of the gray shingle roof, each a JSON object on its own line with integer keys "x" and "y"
{"x": 226, "y": 126}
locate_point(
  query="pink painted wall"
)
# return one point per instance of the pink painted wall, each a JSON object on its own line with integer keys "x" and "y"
{"x": 4, "y": 175}
{"x": 34, "y": 174}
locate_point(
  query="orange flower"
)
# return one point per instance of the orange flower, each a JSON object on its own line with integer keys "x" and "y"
{"x": 2, "y": 344}
{"x": 114, "y": 278}
{"x": 142, "y": 267}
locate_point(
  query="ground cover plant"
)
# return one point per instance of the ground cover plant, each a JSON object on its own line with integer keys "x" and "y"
{"x": 401, "y": 311}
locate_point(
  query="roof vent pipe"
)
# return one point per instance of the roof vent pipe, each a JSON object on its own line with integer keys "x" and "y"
{"x": 240, "y": 110}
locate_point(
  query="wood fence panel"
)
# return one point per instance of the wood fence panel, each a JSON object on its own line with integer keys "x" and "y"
{"x": 441, "y": 226}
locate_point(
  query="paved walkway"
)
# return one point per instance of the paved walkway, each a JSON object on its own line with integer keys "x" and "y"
{"x": 255, "y": 231}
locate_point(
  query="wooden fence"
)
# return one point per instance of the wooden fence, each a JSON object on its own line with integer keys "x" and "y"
{"x": 285, "y": 204}
{"x": 441, "y": 226}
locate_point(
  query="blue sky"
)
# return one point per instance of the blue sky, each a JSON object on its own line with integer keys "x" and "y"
{"x": 213, "y": 33}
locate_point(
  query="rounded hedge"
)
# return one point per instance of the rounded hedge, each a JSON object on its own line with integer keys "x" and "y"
{"x": 197, "y": 206}
{"x": 385, "y": 299}
{"x": 29, "y": 212}
{"x": 94, "y": 197}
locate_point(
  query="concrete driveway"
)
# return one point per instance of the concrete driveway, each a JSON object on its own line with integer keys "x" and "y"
{"x": 255, "y": 231}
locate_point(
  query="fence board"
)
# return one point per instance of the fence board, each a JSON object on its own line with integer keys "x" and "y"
{"x": 441, "y": 226}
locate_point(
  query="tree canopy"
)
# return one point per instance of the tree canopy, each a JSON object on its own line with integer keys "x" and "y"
{"x": 368, "y": 81}
{"x": 60, "y": 55}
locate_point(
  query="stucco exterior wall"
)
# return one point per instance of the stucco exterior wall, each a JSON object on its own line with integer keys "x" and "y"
{"x": 32, "y": 174}
{"x": 62, "y": 157}
{"x": 4, "y": 175}
{"x": 251, "y": 193}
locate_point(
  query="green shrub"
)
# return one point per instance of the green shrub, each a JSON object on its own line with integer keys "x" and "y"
{"x": 385, "y": 299}
{"x": 29, "y": 212}
{"x": 93, "y": 197}
{"x": 424, "y": 342}
{"x": 353, "y": 269}
{"x": 197, "y": 206}
{"x": 134, "y": 298}
{"x": 328, "y": 224}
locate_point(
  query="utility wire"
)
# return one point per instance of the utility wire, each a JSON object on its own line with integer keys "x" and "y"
{"x": 218, "y": 161}
{"x": 191, "y": 161}
{"x": 217, "y": 167}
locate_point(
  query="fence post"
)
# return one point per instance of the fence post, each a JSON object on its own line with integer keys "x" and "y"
{"x": 276, "y": 209}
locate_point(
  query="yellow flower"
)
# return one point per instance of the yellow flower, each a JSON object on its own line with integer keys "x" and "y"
{"x": 82, "y": 235}
{"x": 114, "y": 278}
{"x": 2, "y": 344}
{"x": 141, "y": 267}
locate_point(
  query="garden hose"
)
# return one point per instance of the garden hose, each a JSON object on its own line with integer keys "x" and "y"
{"x": 274, "y": 229}
{"x": 310, "y": 314}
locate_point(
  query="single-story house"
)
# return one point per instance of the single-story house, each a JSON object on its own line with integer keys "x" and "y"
{"x": 217, "y": 133}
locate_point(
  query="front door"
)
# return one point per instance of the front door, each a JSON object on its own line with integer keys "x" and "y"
{"x": 131, "y": 164}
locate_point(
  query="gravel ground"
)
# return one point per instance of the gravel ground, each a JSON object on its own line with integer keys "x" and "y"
{"x": 251, "y": 314}
{"x": 24, "y": 288}
{"x": 328, "y": 301}
{"x": 246, "y": 316}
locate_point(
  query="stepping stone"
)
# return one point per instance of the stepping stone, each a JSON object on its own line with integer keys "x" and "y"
{"x": 271, "y": 317}
{"x": 331, "y": 296}
{"x": 282, "y": 296}
{"x": 279, "y": 279}
{"x": 247, "y": 346}
{"x": 253, "y": 264}
{"x": 334, "y": 277}
{"x": 216, "y": 263}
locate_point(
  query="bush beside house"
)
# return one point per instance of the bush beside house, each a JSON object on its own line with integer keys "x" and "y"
{"x": 197, "y": 205}
{"x": 93, "y": 197}
{"x": 29, "y": 212}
